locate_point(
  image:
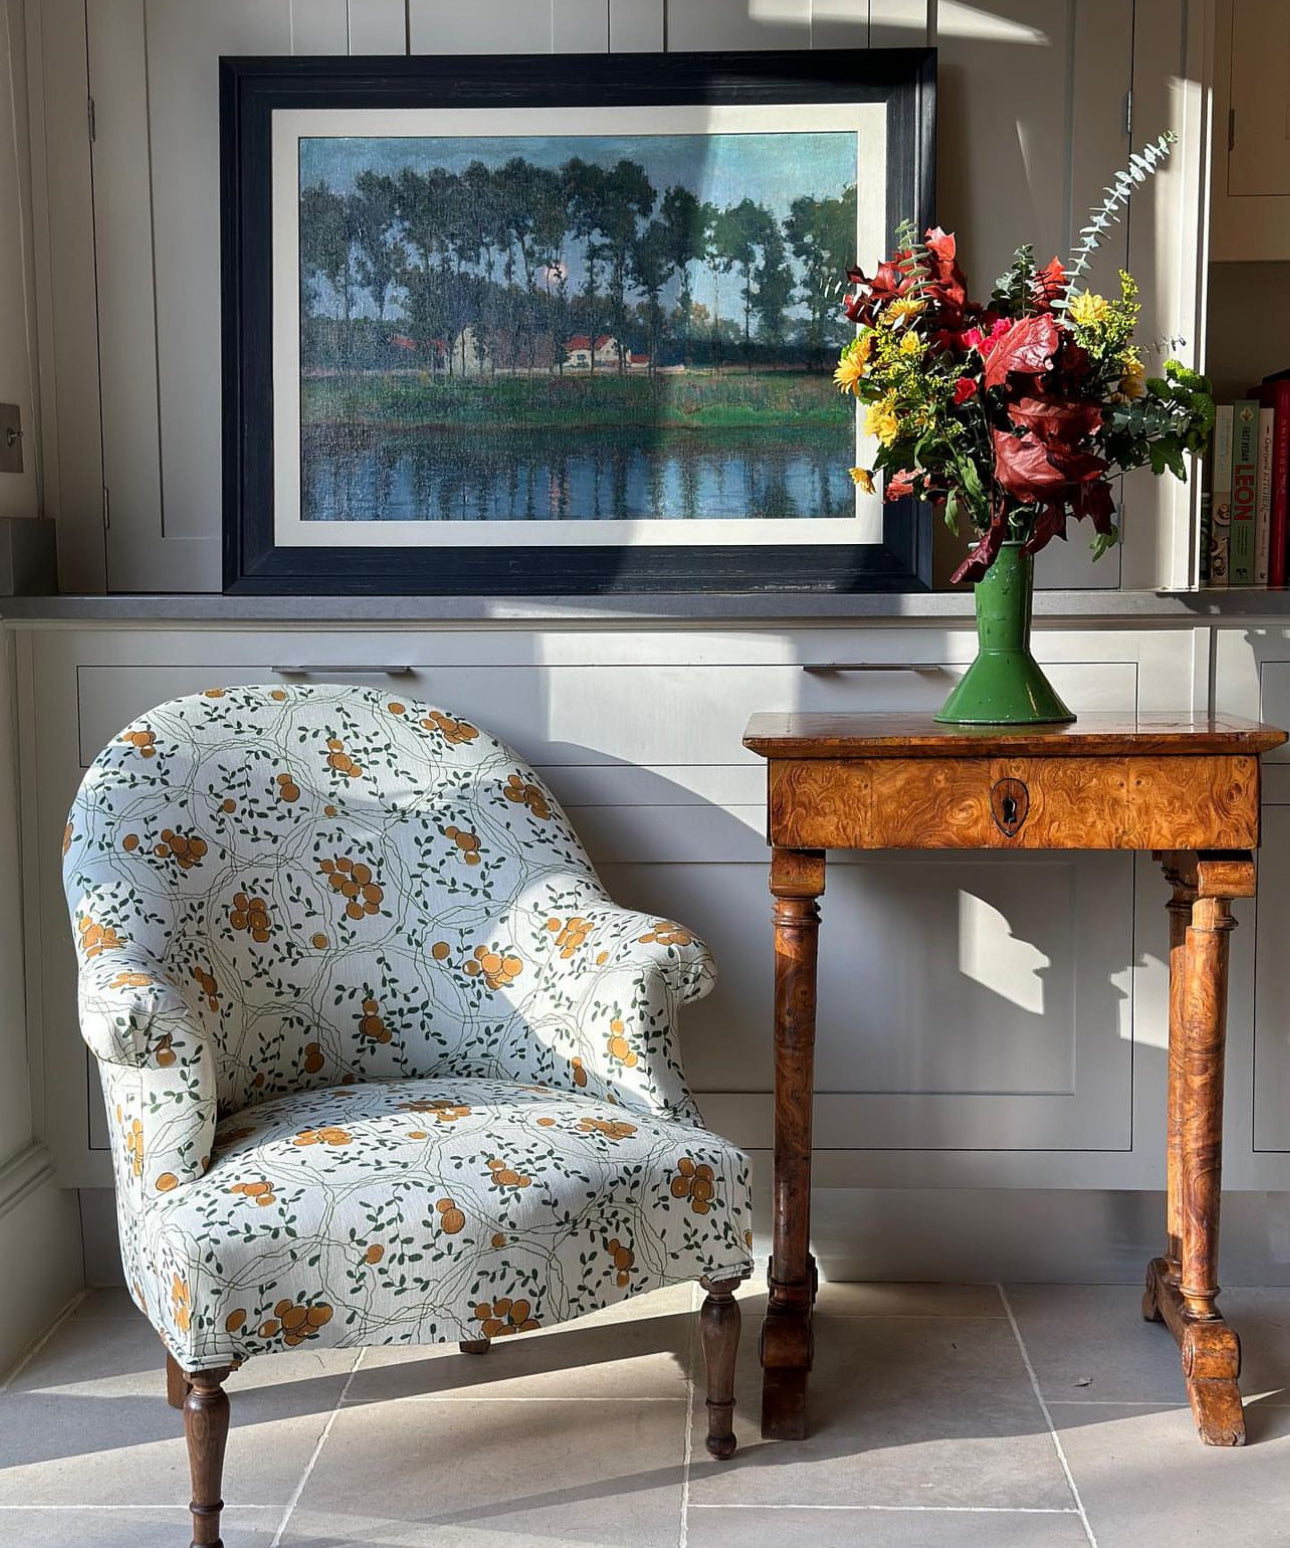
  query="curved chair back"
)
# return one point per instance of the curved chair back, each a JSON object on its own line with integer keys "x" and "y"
{"x": 342, "y": 886}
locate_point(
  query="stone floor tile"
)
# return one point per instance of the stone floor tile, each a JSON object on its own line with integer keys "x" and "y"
{"x": 637, "y": 1358}
{"x": 904, "y": 1411}
{"x": 846, "y": 1527}
{"x": 1090, "y": 1341}
{"x": 484, "y": 1475}
{"x": 145, "y": 1528}
{"x": 1145, "y": 1477}
{"x": 87, "y": 1419}
{"x": 908, "y": 1300}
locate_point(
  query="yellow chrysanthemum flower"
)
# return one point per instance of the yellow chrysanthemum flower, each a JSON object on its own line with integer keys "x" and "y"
{"x": 1087, "y": 309}
{"x": 848, "y": 374}
{"x": 1133, "y": 383}
{"x": 905, "y": 306}
{"x": 880, "y": 421}
{"x": 911, "y": 344}
{"x": 862, "y": 478}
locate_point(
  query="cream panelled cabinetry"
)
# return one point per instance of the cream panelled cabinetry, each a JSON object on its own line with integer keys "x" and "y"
{"x": 991, "y": 1020}
{"x": 127, "y": 227}
{"x": 1252, "y": 677}
{"x": 1250, "y": 210}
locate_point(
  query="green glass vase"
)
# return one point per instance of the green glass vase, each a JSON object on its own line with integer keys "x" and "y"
{"x": 1004, "y": 686}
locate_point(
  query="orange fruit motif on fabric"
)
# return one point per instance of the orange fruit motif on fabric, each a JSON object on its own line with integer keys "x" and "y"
{"x": 504, "y": 1316}
{"x": 468, "y": 843}
{"x": 498, "y": 969}
{"x": 506, "y": 1176}
{"x": 518, "y": 790}
{"x": 620, "y": 1050}
{"x": 694, "y": 1182}
{"x": 340, "y": 760}
{"x": 250, "y": 914}
{"x": 666, "y": 932}
{"x": 451, "y": 1219}
{"x": 186, "y": 850}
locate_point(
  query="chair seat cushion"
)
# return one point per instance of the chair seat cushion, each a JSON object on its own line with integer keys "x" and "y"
{"x": 426, "y": 1211}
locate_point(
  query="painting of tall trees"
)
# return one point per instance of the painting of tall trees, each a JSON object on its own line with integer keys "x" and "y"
{"x": 574, "y": 327}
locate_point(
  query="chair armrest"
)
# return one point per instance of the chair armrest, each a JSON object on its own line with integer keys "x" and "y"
{"x": 157, "y": 1070}
{"x": 615, "y": 980}
{"x": 657, "y": 945}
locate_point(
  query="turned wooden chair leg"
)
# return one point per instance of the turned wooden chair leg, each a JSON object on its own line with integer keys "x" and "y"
{"x": 177, "y": 1383}
{"x": 206, "y": 1429}
{"x": 474, "y": 1345}
{"x": 719, "y": 1332}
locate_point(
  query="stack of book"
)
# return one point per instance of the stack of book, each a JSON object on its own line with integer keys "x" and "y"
{"x": 1245, "y": 514}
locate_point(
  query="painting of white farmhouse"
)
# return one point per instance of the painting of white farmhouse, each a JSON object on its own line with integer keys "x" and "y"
{"x": 574, "y": 327}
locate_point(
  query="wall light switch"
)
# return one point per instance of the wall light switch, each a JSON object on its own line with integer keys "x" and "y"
{"x": 10, "y": 438}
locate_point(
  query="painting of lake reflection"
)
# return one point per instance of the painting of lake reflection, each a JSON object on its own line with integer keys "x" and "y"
{"x": 574, "y": 327}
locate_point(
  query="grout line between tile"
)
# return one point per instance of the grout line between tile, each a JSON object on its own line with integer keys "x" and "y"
{"x": 1048, "y": 1418}
{"x": 925, "y": 1510}
{"x": 314, "y": 1455}
{"x": 467, "y": 1395}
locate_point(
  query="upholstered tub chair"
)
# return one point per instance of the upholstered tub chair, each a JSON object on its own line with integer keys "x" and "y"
{"x": 383, "y": 1062}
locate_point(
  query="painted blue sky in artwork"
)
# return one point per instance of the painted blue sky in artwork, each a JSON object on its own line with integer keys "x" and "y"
{"x": 719, "y": 169}
{"x": 771, "y": 169}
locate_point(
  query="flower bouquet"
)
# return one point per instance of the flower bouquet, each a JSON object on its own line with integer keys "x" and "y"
{"x": 1014, "y": 416}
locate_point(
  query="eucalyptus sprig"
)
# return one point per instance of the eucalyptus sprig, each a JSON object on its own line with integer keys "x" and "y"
{"x": 1142, "y": 165}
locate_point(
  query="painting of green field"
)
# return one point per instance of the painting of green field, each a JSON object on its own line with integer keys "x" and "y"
{"x": 565, "y": 328}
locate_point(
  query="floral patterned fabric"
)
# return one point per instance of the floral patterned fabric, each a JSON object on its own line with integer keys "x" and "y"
{"x": 359, "y": 935}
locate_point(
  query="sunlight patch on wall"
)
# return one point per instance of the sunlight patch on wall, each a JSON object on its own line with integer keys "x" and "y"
{"x": 990, "y": 955}
{"x": 955, "y": 20}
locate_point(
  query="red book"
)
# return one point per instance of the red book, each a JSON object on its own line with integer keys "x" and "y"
{"x": 1275, "y": 394}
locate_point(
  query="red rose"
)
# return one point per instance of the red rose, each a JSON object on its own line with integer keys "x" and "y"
{"x": 964, "y": 389}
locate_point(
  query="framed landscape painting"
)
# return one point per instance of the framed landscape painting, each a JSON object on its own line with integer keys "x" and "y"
{"x": 559, "y": 325}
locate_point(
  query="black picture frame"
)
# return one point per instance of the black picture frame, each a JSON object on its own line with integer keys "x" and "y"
{"x": 251, "y": 89}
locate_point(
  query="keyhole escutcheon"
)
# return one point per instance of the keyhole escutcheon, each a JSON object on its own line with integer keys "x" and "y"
{"x": 1010, "y": 805}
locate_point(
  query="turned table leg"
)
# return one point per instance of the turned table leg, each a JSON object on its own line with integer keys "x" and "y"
{"x": 796, "y": 881}
{"x": 1166, "y": 1269}
{"x": 1184, "y": 1289}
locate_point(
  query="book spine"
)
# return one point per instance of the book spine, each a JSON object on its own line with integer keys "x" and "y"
{"x": 1205, "y": 546}
{"x": 1263, "y": 497}
{"x": 1221, "y": 498}
{"x": 1279, "y": 393}
{"x": 1245, "y": 455}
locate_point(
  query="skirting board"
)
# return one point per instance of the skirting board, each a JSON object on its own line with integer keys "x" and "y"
{"x": 972, "y": 1235}
{"x": 40, "y": 1247}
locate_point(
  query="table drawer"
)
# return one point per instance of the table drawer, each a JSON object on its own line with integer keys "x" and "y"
{"x": 1015, "y": 803}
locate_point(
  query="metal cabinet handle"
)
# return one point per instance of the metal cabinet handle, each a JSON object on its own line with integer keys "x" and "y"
{"x": 317, "y": 670}
{"x": 820, "y": 668}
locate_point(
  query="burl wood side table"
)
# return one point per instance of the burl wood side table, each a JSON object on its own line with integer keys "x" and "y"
{"x": 1185, "y": 788}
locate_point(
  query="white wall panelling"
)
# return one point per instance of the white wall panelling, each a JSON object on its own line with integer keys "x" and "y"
{"x": 377, "y": 26}
{"x": 1252, "y": 678}
{"x": 1018, "y": 164}
{"x": 18, "y": 491}
{"x": 999, "y": 994}
{"x": 1167, "y": 254}
{"x": 67, "y": 307}
{"x": 1251, "y": 188}
{"x": 637, "y": 26}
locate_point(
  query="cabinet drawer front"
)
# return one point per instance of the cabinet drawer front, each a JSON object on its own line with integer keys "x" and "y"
{"x": 649, "y": 712}
{"x": 1015, "y": 803}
